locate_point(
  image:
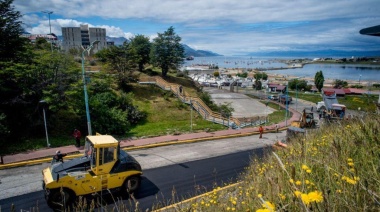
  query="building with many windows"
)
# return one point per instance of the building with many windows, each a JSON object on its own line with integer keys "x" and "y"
{"x": 82, "y": 37}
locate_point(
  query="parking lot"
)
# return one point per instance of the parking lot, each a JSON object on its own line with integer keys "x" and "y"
{"x": 244, "y": 106}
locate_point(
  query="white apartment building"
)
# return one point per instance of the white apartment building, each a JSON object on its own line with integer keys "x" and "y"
{"x": 82, "y": 37}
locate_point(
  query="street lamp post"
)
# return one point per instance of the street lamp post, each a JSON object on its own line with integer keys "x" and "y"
{"x": 286, "y": 102}
{"x": 296, "y": 94}
{"x": 51, "y": 43}
{"x": 88, "y": 49}
{"x": 43, "y": 103}
{"x": 191, "y": 116}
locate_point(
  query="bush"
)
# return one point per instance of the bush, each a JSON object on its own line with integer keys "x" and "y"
{"x": 356, "y": 86}
{"x": 376, "y": 85}
{"x": 243, "y": 75}
{"x": 180, "y": 74}
{"x": 92, "y": 63}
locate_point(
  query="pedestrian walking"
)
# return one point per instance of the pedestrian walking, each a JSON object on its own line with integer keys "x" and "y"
{"x": 261, "y": 130}
{"x": 180, "y": 89}
{"x": 58, "y": 157}
{"x": 276, "y": 128}
{"x": 77, "y": 136}
{"x": 311, "y": 108}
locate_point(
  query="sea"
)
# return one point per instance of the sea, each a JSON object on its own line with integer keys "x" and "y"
{"x": 353, "y": 72}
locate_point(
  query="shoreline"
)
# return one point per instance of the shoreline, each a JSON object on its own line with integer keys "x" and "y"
{"x": 281, "y": 78}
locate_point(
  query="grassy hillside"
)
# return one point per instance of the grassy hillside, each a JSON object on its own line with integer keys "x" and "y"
{"x": 166, "y": 114}
{"x": 335, "y": 168}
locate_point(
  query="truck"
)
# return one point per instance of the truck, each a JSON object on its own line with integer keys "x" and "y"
{"x": 103, "y": 167}
{"x": 285, "y": 99}
{"x": 330, "y": 105}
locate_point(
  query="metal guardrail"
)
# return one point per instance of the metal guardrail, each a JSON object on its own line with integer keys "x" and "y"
{"x": 197, "y": 104}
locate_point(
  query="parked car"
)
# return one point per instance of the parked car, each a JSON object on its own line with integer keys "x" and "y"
{"x": 273, "y": 97}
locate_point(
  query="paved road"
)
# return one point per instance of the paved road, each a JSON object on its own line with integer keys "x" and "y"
{"x": 18, "y": 184}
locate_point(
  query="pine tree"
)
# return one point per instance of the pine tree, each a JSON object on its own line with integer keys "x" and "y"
{"x": 11, "y": 44}
{"x": 319, "y": 79}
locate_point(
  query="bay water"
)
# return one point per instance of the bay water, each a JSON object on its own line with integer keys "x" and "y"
{"x": 355, "y": 72}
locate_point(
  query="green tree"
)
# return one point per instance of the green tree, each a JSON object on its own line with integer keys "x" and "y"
{"x": 142, "y": 46}
{"x": 319, "y": 79}
{"x": 226, "y": 110}
{"x": 120, "y": 59}
{"x": 167, "y": 52}
{"x": 243, "y": 75}
{"x": 260, "y": 75}
{"x": 258, "y": 85}
{"x": 11, "y": 44}
{"x": 298, "y": 84}
{"x": 216, "y": 74}
{"x": 41, "y": 43}
{"x": 340, "y": 83}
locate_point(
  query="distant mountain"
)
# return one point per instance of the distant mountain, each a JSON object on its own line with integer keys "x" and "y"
{"x": 117, "y": 40}
{"x": 198, "y": 53}
{"x": 314, "y": 54}
{"x": 188, "y": 50}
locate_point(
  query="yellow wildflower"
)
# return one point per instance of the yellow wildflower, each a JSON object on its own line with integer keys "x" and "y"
{"x": 291, "y": 181}
{"x": 259, "y": 195}
{"x": 350, "y": 163}
{"x": 298, "y": 182}
{"x": 297, "y": 193}
{"x": 307, "y": 182}
{"x": 269, "y": 205}
{"x": 304, "y": 167}
{"x": 263, "y": 210}
{"x": 305, "y": 199}
{"x": 349, "y": 160}
{"x": 308, "y": 171}
{"x": 315, "y": 196}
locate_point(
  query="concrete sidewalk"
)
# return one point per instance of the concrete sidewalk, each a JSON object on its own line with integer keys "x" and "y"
{"x": 147, "y": 142}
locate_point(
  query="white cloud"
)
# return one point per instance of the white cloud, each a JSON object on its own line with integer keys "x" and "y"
{"x": 223, "y": 26}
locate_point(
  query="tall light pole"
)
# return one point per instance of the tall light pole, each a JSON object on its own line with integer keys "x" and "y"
{"x": 191, "y": 116}
{"x": 43, "y": 103}
{"x": 51, "y": 43}
{"x": 296, "y": 94}
{"x": 88, "y": 49}
{"x": 286, "y": 102}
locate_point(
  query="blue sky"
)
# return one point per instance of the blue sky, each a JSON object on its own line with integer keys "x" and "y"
{"x": 222, "y": 26}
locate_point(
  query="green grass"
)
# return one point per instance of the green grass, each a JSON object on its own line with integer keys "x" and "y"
{"x": 352, "y": 102}
{"x": 36, "y": 143}
{"x": 311, "y": 97}
{"x": 166, "y": 114}
{"x": 278, "y": 115}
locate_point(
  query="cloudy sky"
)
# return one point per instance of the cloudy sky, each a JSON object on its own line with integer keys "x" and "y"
{"x": 223, "y": 26}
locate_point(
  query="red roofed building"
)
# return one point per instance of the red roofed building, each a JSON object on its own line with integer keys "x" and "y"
{"x": 339, "y": 92}
{"x": 355, "y": 91}
{"x": 276, "y": 87}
